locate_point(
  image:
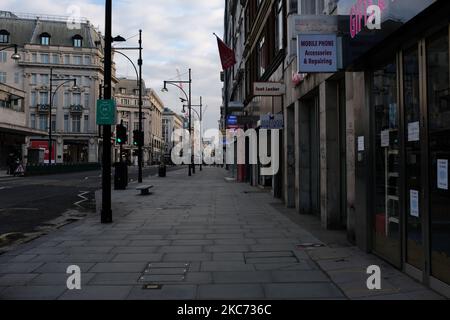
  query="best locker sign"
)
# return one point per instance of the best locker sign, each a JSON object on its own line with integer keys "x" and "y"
{"x": 317, "y": 53}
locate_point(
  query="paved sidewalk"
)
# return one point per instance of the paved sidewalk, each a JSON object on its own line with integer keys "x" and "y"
{"x": 195, "y": 238}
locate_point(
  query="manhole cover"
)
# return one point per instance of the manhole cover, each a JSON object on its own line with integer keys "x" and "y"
{"x": 156, "y": 273}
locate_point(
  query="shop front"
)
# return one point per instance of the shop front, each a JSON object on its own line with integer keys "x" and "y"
{"x": 403, "y": 148}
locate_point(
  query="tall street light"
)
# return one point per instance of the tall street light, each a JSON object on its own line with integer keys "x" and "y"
{"x": 139, "y": 79}
{"x": 200, "y": 116}
{"x": 51, "y": 99}
{"x": 188, "y": 99}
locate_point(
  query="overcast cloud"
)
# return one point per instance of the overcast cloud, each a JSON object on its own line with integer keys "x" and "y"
{"x": 177, "y": 34}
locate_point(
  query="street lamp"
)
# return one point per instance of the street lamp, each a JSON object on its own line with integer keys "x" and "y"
{"x": 188, "y": 99}
{"x": 51, "y": 98}
{"x": 200, "y": 116}
{"x": 139, "y": 79}
{"x": 15, "y": 56}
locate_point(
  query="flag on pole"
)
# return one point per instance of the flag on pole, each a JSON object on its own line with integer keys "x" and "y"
{"x": 227, "y": 55}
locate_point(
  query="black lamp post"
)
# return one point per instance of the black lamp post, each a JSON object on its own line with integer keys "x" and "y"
{"x": 188, "y": 99}
{"x": 200, "y": 116}
{"x": 139, "y": 79}
{"x": 51, "y": 99}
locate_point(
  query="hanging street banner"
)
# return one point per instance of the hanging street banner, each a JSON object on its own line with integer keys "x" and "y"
{"x": 268, "y": 89}
{"x": 317, "y": 53}
{"x": 106, "y": 112}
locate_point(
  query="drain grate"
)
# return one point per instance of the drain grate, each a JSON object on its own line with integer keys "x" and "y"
{"x": 157, "y": 273}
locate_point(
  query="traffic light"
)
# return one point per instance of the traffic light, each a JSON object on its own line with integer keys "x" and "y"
{"x": 121, "y": 134}
{"x": 138, "y": 138}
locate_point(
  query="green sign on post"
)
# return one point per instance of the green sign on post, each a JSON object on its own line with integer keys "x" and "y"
{"x": 106, "y": 112}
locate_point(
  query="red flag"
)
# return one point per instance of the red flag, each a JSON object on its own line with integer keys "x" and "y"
{"x": 227, "y": 55}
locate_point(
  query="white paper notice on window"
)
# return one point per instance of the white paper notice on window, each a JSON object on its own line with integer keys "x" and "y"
{"x": 361, "y": 145}
{"x": 413, "y": 131}
{"x": 442, "y": 174}
{"x": 385, "y": 138}
{"x": 414, "y": 203}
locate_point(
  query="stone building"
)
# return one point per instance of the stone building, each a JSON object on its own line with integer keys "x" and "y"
{"x": 171, "y": 122}
{"x": 127, "y": 99}
{"x": 52, "y": 52}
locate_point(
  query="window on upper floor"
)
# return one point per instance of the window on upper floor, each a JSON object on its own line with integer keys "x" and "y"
{"x": 262, "y": 57}
{"x": 77, "y": 41}
{"x": 315, "y": 7}
{"x": 4, "y": 36}
{"x": 45, "y": 58}
{"x": 77, "y": 60}
{"x": 279, "y": 25}
{"x": 45, "y": 39}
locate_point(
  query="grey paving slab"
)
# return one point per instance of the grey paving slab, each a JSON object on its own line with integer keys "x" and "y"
{"x": 149, "y": 243}
{"x": 187, "y": 257}
{"x": 302, "y": 291}
{"x": 225, "y": 236}
{"x": 97, "y": 293}
{"x": 227, "y": 248}
{"x": 230, "y": 291}
{"x": 272, "y": 260}
{"x": 180, "y": 249}
{"x": 198, "y": 278}
{"x": 58, "y": 279}
{"x": 108, "y": 243}
{"x": 21, "y": 258}
{"x": 88, "y": 250}
{"x": 130, "y": 250}
{"x": 293, "y": 276}
{"x": 32, "y": 292}
{"x": 49, "y": 258}
{"x": 229, "y": 256}
{"x": 226, "y": 266}
{"x": 167, "y": 292}
{"x": 62, "y": 267}
{"x": 45, "y": 250}
{"x": 146, "y": 237}
{"x": 138, "y": 257}
{"x": 77, "y": 243}
{"x": 226, "y": 242}
{"x": 185, "y": 237}
{"x": 119, "y": 267}
{"x": 242, "y": 277}
{"x": 192, "y": 242}
{"x": 90, "y": 257}
{"x": 114, "y": 279}
{"x": 13, "y": 279}
{"x": 285, "y": 266}
{"x": 19, "y": 267}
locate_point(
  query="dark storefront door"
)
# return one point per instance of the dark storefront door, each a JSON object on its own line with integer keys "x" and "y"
{"x": 438, "y": 102}
{"x": 386, "y": 217}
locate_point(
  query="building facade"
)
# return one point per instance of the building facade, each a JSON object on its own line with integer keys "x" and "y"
{"x": 52, "y": 56}
{"x": 127, "y": 99}
{"x": 171, "y": 121}
{"x": 362, "y": 144}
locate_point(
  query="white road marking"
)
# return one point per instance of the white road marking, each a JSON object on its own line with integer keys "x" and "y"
{"x": 82, "y": 196}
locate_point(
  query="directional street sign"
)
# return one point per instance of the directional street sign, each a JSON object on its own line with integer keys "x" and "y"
{"x": 106, "y": 112}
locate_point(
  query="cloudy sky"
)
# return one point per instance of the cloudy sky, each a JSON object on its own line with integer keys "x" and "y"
{"x": 177, "y": 35}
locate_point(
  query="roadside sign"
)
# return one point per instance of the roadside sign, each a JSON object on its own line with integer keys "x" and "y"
{"x": 317, "y": 53}
{"x": 268, "y": 89}
{"x": 106, "y": 112}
